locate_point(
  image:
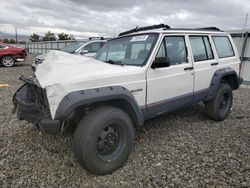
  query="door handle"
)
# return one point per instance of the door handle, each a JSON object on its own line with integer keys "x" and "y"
{"x": 189, "y": 68}
{"x": 214, "y": 64}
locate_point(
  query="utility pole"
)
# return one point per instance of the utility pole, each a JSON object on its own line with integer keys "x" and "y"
{"x": 16, "y": 34}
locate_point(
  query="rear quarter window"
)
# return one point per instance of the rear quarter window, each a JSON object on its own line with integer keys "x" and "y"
{"x": 223, "y": 46}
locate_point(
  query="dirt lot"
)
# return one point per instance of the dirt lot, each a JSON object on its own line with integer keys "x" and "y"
{"x": 183, "y": 149}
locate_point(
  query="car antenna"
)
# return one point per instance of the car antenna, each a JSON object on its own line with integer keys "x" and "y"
{"x": 243, "y": 48}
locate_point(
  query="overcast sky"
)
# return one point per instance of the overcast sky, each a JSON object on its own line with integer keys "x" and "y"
{"x": 104, "y": 17}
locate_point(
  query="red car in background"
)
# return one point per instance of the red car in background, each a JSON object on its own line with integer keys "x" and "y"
{"x": 11, "y": 54}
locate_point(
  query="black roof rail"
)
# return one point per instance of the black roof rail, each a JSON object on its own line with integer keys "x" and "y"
{"x": 210, "y": 28}
{"x": 136, "y": 29}
{"x": 96, "y": 38}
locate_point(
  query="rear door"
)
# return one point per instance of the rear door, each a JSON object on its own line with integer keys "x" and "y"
{"x": 205, "y": 63}
{"x": 170, "y": 87}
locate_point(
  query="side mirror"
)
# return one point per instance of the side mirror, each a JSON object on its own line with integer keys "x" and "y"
{"x": 160, "y": 62}
{"x": 82, "y": 52}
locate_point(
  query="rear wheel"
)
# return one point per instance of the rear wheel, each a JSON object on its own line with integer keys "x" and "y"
{"x": 219, "y": 108}
{"x": 7, "y": 61}
{"x": 103, "y": 140}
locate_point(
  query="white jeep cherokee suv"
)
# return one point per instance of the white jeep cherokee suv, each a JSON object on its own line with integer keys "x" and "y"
{"x": 143, "y": 73}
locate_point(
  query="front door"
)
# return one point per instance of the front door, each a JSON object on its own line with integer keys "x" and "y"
{"x": 169, "y": 88}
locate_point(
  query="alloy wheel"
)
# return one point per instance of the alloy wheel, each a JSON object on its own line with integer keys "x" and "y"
{"x": 8, "y": 61}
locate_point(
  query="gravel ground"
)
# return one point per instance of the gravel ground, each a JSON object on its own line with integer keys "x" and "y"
{"x": 183, "y": 149}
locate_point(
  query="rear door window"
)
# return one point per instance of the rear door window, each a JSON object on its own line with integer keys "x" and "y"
{"x": 208, "y": 48}
{"x": 201, "y": 48}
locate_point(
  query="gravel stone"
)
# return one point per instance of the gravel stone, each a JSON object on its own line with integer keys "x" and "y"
{"x": 180, "y": 149}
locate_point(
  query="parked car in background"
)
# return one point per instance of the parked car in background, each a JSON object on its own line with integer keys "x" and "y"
{"x": 80, "y": 47}
{"x": 10, "y": 54}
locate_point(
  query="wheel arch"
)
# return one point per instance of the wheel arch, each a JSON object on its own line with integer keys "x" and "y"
{"x": 6, "y": 55}
{"x": 117, "y": 96}
{"x": 232, "y": 80}
{"x": 224, "y": 75}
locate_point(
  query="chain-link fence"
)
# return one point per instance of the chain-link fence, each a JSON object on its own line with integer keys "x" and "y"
{"x": 45, "y": 46}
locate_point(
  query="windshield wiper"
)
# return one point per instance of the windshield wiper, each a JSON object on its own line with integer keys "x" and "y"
{"x": 115, "y": 62}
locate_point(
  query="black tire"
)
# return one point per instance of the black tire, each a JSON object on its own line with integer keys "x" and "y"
{"x": 7, "y": 61}
{"x": 219, "y": 108}
{"x": 90, "y": 145}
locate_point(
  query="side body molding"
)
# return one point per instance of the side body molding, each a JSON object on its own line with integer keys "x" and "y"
{"x": 225, "y": 74}
{"x": 105, "y": 94}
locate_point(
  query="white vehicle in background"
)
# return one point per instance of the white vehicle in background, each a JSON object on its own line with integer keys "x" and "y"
{"x": 88, "y": 48}
{"x": 142, "y": 74}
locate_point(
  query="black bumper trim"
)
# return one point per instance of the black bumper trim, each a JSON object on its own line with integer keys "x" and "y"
{"x": 49, "y": 126}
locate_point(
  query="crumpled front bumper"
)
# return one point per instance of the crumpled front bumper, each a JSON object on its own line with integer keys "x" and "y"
{"x": 30, "y": 104}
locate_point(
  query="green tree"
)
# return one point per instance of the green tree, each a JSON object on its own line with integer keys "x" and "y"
{"x": 12, "y": 41}
{"x": 6, "y": 40}
{"x": 49, "y": 36}
{"x": 64, "y": 36}
{"x": 34, "y": 38}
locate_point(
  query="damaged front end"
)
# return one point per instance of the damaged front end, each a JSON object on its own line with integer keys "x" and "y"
{"x": 30, "y": 104}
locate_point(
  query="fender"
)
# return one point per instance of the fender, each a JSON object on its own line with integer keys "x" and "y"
{"x": 79, "y": 98}
{"x": 219, "y": 75}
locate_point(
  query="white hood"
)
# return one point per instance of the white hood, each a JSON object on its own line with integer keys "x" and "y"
{"x": 63, "y": 68}
{"x": 62, "y": 73}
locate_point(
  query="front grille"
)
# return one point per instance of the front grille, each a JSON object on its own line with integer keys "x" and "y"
{"x": 37, "y": 95}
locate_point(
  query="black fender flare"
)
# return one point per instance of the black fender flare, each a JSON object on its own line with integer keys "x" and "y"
{"x": 218, "y": 76}
{"x": 83, "y": 97}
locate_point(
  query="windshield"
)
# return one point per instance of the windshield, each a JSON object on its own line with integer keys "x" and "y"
{"x": 71, "y": 48}
{"x": 130, "y": 50}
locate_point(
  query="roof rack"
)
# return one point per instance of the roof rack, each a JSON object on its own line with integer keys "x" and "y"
{"x": 96, "y": 38}
{"x": 197, "y": 29}
{"x": 210, "y": 28}
{"x": 136, "y": 29}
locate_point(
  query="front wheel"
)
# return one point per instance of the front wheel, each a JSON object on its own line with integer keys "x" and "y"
{"x": 103, "y": 140}
{"x": 219, "y": 108}
{"x": 7, "y": 61}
